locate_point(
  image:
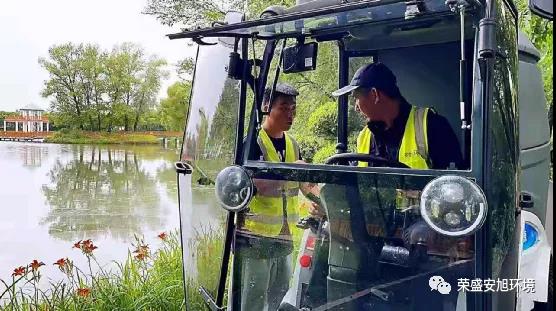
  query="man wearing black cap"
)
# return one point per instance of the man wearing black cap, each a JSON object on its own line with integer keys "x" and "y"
{"x": 396, "y": 130}
{"x": 280, "y": 105}
{"x": 264, "y": 238}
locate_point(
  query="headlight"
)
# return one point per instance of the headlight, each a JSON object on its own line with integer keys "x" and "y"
{"x": 454, "y": 206}
{"x": 234, "y": 188}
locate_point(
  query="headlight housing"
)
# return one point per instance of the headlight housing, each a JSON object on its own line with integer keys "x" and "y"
{"x": 454, "y": 206}
{"x": 234, "y": 188}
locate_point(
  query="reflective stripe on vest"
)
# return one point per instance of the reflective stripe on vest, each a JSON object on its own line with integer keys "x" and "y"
{"x": 271, "y": 214}
{"x": 414, "y": 148}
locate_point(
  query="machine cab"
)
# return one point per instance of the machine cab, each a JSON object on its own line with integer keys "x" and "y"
{"x": 391, "y": 236}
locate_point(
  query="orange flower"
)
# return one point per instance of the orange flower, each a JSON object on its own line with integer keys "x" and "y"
{"x": 61, "y": 263}
{"x": 83, "y": 292}
{"x": 19, "y": 271}
{"x": 87, "y": 247}
{"x": 35, "y": 265}
{"x": 142, "y": 252}
{"x": 163, "y": 236}
{"x": 77, "y": 244}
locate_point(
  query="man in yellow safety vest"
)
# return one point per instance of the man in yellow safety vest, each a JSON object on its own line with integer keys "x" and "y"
{"x": 266, "y": 231}
{"x": 397, "y": 131}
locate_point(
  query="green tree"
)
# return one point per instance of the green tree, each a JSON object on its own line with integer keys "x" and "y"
{"x": 224, "y": 122}
{"x": 64, "y": 84}
{"x": 173, "y": 109}
{"x": 146, "y": 91}
{"x": 124, "y": 65}
{"x": 96, "y": 90}
{"x": 92, "y": 78}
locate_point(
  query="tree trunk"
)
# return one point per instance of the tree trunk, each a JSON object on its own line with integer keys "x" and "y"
{"x": 136, "y": 123}
{"x": 78, "y": 111}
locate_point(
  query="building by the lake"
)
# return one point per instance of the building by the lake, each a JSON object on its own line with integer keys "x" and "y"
{"x": 30, "y": 119}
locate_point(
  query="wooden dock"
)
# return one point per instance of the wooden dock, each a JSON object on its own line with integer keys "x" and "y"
{"x": 24, "y": 136}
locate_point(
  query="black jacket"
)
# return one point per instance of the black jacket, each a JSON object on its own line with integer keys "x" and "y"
{"x": 444, "y": 148}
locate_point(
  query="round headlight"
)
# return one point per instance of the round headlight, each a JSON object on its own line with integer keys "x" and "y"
{"x": 454, "y": 206}
{"x": 234, "y": 188}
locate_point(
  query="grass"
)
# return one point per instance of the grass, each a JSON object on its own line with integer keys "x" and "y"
{"x": 205, "y": 250}
{"x": 82, "y": 137}
{"x": 144, "y": 281}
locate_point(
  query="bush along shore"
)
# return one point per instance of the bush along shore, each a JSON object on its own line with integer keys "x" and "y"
{"x": 82, "y": 137}
{"x": 145, "y": 281}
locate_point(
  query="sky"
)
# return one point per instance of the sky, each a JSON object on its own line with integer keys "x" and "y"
{"x": 29, "y": 27}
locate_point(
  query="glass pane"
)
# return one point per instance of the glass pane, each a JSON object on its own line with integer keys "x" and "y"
{"x": 315, "y": 120}
{"x": 209, "y": 145}
{"x": 371, "y": 250}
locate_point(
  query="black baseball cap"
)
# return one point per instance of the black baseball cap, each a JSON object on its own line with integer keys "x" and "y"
{"x": 281, "y": 89}
{"x": 375, "y": 75}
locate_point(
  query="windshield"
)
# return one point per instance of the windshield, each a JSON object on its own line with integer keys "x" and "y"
{"x": 369, "y": 250}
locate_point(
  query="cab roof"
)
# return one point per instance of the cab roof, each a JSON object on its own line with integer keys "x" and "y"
{"x": 323, "y": 17}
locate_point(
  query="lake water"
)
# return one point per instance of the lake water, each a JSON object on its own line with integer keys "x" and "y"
{"x": 52, "y": 196}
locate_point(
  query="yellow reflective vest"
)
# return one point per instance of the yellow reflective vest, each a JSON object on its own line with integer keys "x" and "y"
{"x": 414, "y": 148}
{"x": 270, "y": 214}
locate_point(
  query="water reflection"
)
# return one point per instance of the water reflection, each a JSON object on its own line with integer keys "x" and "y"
{"x": 53, "y": 195}
{"x": 32, "y": 155}
{"x": 103, "y": 190}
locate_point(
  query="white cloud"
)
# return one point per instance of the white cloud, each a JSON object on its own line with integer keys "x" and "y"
{"x": 29, "y": 28}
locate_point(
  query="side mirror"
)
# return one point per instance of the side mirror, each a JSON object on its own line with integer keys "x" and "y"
{"x": 300, "y": 58}
{"x": 542, "y": 8}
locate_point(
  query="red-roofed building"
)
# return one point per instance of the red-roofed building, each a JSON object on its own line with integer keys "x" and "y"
{"x": 30, "y": 119}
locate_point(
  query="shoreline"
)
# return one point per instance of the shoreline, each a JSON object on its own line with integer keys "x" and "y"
{"x": 107, "y": 138}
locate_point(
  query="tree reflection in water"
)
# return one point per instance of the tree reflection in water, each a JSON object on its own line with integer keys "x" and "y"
{"x": 109, "y": 191}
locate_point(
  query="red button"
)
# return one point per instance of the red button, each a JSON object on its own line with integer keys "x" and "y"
{"x": 310, "y": 245}
{"x": 305, "y": 261}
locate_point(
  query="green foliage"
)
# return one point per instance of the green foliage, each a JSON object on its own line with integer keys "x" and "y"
{"x": 4, "y": 115}
{"x": 221, "y": 137}
{"x": 190, "y": 13}
{"x": 73, "y": 136}
{"x": 146, "y": 282}
{"x": 324, "y": 152}
{"x": 540, "y": 31}
{"x": 173, "y": 109}
{"x": 185, "y": 69}
{"x": 324, "y": 120}
{"x": 201, "y": 13}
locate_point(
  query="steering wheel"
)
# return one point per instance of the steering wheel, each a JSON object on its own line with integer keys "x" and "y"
{"x": 374, "y": 161}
